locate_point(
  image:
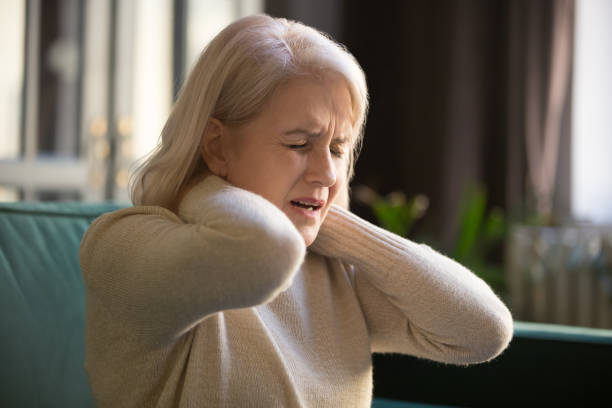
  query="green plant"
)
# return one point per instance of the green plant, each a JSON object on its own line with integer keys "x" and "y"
{"x": 480, "y": 232}
{"x": 394, "y": 212}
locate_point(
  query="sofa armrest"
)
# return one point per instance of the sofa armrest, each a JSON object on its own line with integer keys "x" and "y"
{"x": 545, "y": 365}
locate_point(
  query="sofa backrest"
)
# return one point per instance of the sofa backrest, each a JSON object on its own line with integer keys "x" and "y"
{"x": 42, "y": 304}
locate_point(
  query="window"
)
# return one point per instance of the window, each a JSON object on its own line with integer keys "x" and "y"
{"x": 592, "y": 119}
{"x": 11, "y": 75}
{"x": 89, "y": 85}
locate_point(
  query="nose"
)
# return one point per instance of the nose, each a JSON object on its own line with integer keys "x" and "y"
{"x": 320, "y": 168}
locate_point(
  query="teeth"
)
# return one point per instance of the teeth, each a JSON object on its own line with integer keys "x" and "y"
{"x": 306, "y": 205}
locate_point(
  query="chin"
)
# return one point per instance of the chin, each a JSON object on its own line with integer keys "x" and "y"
{"x": 309, "y": 236}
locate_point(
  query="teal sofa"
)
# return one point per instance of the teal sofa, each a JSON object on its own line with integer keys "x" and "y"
{"x": 42, "y": 344}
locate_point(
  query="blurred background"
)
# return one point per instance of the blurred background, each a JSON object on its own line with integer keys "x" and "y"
{"x": 488, "y": 136}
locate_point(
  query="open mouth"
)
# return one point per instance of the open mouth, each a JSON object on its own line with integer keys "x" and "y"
{"x": 305, "y": 205}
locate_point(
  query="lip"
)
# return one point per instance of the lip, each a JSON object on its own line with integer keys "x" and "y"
{"x": 310, "y": 200}
{"x": 312, "y": 214}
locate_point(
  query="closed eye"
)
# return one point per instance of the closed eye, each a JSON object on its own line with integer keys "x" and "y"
{"x": 336, "y": 152}
{"x": 297, "y": 146}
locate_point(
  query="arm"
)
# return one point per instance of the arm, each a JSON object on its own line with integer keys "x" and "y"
{"x": 162, "y": 274}
{"x": 415, "y": 300}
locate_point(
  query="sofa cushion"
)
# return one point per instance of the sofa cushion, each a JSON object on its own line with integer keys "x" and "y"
{"x": 42, "y": 303}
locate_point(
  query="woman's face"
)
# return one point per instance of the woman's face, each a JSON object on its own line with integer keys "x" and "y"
{"x": 295, "y": 153}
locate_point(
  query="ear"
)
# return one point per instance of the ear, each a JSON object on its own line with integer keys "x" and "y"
{"x": 212, "y": 147}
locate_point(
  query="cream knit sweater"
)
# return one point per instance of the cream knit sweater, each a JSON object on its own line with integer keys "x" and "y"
{"x": 222, "y": 305}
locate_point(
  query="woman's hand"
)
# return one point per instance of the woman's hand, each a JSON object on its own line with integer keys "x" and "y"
{"x": 325, "y": 238}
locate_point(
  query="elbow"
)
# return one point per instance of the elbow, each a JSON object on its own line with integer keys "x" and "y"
{"x": 500, "y": 335}
{"x": 494, "y": 336}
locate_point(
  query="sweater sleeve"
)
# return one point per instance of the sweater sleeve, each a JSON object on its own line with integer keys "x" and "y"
{"x": 162, "y": 273}
{"x": 415, "y": 300}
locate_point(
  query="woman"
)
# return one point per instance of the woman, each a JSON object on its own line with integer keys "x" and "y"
{"x": 239, "y": 278}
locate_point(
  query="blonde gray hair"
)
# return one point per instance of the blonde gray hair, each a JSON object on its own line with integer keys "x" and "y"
{"x": 231, "y": 81}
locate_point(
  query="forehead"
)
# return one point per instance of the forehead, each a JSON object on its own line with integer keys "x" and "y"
{"x": 317, "y": 104}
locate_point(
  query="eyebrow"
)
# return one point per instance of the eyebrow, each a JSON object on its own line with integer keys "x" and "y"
{"x": 302, "y": 132}
{"x": 299, "y": 131}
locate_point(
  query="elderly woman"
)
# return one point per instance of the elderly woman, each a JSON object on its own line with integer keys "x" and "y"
{"x": 239, "y": 278}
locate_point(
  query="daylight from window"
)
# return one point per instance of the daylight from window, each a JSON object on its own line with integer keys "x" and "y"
{"x": 592, "y": 115}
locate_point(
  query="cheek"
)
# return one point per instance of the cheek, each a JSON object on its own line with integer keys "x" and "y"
{"x": 271, "y": 176}
{"x": 341, "y": 197}
{"x": 339, "y": 192}
{"x": 342, "y": 172}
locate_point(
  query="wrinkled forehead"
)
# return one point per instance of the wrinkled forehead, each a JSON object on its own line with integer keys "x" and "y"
{"x": 322, "y": 103}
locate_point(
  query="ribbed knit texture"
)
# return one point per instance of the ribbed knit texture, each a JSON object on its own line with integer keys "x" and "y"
{"x": 221, "y": 305}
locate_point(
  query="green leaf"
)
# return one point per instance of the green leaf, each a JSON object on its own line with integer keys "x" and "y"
{"x": 396, "y": 214}
{"x": 495, "y": 228}
{"x": 390, "y": 217}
